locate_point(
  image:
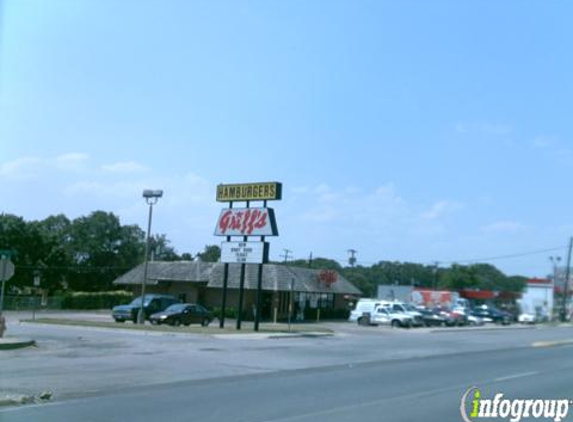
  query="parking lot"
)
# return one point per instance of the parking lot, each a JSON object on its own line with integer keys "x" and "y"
{"x": 75, "y": 361}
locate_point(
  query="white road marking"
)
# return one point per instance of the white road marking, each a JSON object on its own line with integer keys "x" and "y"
{"x": 514, "y": 376}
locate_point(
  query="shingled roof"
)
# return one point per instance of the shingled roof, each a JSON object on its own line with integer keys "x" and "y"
{"x": 275, "y": 277}
{"x": 279, "y": 277}
{"x": 157, "y": 271}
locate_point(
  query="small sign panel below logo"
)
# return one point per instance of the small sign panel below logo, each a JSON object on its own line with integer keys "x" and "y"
{"x": 243, "y": 252}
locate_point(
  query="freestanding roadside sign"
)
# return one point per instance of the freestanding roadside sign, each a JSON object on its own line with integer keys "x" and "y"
{"x": 246, "y": 222}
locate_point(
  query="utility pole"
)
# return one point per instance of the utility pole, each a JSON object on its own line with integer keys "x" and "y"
{"x": 352, "y": 258}
{"x": 436, "y": 265}
{"x": 310, "y": 260}
{"x": 564, "y": 313}
{"x": 286, "y": 256}
{"x": 555, "y": 261}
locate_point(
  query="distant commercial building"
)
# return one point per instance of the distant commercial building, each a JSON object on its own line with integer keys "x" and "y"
{"x": 538, "y": 297}
{"x": 394, "y": 292}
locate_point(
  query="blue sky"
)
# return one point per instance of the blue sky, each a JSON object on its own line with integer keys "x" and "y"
{"x": 408, "y": 130}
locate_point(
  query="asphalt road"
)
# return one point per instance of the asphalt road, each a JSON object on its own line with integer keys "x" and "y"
{"x": 426, "y": 389}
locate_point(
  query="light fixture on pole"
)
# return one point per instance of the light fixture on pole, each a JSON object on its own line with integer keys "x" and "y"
{"x": 151, "y": 197}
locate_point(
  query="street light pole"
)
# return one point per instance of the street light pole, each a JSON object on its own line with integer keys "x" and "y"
{"x": 151, "y": 198}
{"x": 555, "y": 261}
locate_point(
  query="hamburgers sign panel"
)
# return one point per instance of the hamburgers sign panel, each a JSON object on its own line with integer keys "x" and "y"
{"x": 262, "y": 191}
{"x": 247, "y": 222}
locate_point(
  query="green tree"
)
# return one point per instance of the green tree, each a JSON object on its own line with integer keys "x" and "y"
{"x": 161, "y": 250}
{"x": 102, "y": 250}
{"x": 211, "y": 253}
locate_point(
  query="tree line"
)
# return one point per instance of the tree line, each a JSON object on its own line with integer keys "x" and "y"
{"x": 475, "y": 276}
{"x": 89, "y": 252}
{"x": 83, "y": 254}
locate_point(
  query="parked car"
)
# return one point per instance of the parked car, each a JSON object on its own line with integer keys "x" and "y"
{"x": 491, "y": 314}
{"x": 432, "y": 319}
{"x": 452, "y": 319}
{"x": 470, "y": 319}
{"x": 407, "y": 309}
{"x": 153, "y": 303}
{"x": 527, "y": 318}
{"x": 385, "y": 316}
{"x": 182, "y": 313}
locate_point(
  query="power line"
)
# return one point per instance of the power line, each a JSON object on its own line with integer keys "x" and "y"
{"x": 466, "y": 261}
{"x": 500, "y": 257}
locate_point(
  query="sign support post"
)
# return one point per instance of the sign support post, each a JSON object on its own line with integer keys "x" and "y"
{"x": 225, "y": 285}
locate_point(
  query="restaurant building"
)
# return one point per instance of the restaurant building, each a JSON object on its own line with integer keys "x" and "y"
{"x": 202, "y": 282}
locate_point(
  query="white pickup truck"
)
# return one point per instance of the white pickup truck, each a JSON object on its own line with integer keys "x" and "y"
{"x": 380, "y": 314}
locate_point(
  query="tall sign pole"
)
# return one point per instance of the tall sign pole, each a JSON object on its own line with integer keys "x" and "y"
{"x": 245, "y": 223}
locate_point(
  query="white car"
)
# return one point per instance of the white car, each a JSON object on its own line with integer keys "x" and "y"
{"x": 527, "y": 318}
{"x": 385, "y": 316}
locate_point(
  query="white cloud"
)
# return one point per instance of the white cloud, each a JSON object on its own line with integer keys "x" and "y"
{"x": 94, "y": 188}
{"x": 21, "y": 168}
{"x": 440, "y": 209}
{"x": 503, "y": 227}
{"x": 124, "y": 167}
{"x": 542, "y": 142}
{"x": 460, "y": 128}
{"x": 74, "y": 161}
{"x": 496, "y": 129}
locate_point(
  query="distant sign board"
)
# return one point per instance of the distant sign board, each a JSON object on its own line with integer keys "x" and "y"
{"x": 6, "y": 269}
{"x": 243, "y": 252}
{"x": 262, "y": 191}
{"x": 246, "y": 222}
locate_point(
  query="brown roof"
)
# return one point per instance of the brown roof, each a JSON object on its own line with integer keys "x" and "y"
{"x": 275, "y": 277}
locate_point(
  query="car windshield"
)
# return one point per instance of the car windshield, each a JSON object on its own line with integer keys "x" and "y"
{"x": 178, "y": 307}
{"x": 137, "y": 301}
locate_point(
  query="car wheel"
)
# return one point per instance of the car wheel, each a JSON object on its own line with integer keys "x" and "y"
{"x": 205, "y": 322}
{"x": 395, "y": 323}
{"x": 359, "y": 321}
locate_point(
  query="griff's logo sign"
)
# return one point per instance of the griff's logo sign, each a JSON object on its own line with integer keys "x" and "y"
{"x": 474, "y": 407}
{"x": 246, "y": 222}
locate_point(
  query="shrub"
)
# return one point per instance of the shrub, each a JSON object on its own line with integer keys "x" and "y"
{"x": 95, "y": 300}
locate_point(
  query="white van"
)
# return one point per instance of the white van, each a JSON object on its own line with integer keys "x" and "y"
{"x": 364, "y": 305}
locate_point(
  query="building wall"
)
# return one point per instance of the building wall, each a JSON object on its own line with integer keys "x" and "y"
{"x": 273, "y": 304}
{"x": 393, "y": 292}
{"x": 537, "y": 298}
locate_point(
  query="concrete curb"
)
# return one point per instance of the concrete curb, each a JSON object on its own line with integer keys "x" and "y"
{"x": 16, "y": 400}
{"x": 300, "y": 335}
{"x": 15, "y": 343}
{"x": 267, "y": 336}
{"x": 554, "y": 343}
{"x": 482, "y": 329}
